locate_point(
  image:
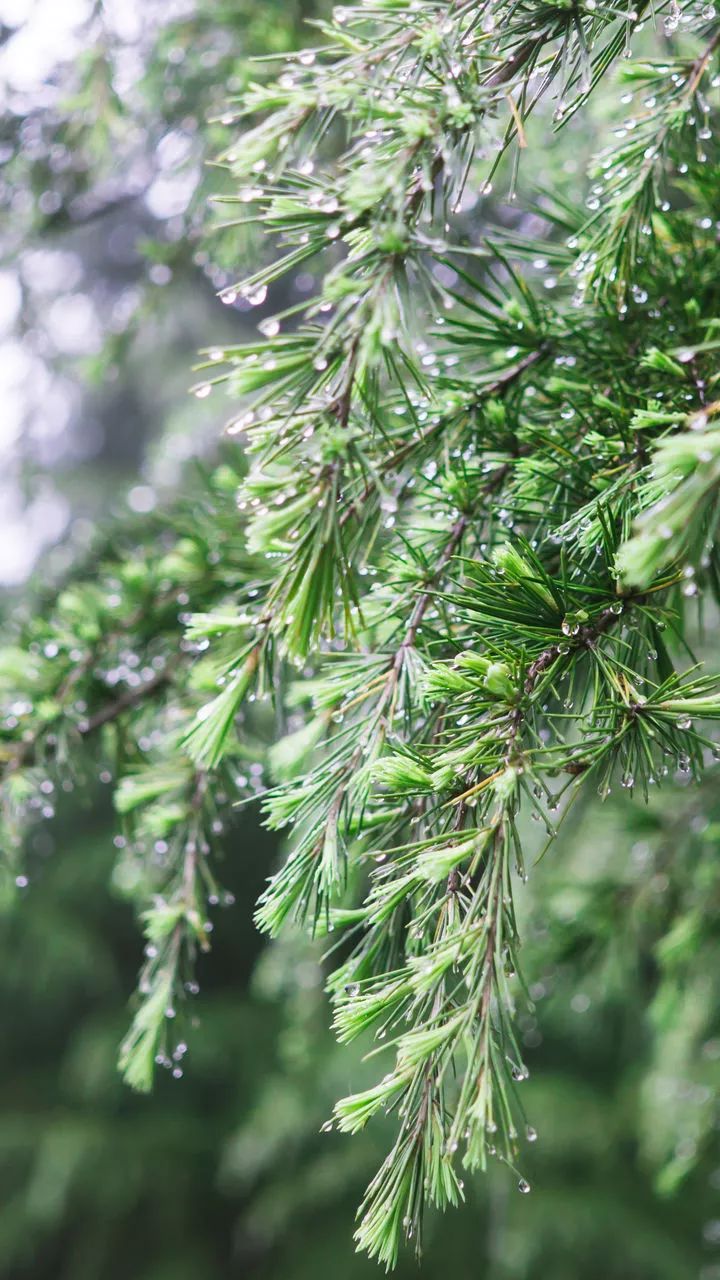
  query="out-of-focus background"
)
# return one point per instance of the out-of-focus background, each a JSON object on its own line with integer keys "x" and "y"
{"x": 109, "y": 274}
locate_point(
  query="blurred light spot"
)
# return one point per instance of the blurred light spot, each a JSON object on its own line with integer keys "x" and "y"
{"x": 142, "y": 498}
{"x": 580, "y": 1003}
{"x": 170, "y": 194}
{"x": 10, "y": 300}
{"x": 160, "y": 273}
{"x": 73, "y": 324}
{"x": 173, "y": 149}
{"x": 46, "y": 36}
{"x": 27, "y": 531}
{"x": 47, "y": 270}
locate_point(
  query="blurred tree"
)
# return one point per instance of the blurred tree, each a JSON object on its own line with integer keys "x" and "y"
{"x": 105, "y": 138}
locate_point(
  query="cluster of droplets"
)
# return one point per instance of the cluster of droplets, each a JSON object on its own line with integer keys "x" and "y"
{"x": 688, "y": 18}
{"x": 172, "y": 1061}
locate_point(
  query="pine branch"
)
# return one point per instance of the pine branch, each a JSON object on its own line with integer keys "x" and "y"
{"x": 475, "y": 512}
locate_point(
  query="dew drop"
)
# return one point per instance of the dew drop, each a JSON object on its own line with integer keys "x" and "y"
{"x": 270, "y": 328}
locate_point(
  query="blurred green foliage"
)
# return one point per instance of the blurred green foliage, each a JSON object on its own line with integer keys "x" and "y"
{"x": 225, "y": 1170}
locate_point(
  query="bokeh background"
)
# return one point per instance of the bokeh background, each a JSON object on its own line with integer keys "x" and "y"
{"x": 110, "y": 265}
